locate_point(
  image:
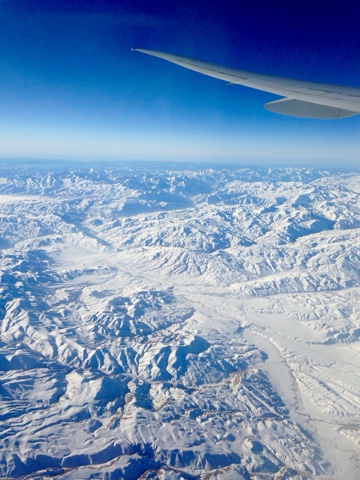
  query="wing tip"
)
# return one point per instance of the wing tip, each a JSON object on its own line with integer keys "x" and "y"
{"x": 141, "y": 50}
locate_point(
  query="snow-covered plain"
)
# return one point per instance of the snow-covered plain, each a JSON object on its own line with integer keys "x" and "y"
{"x": 179, "y": 323}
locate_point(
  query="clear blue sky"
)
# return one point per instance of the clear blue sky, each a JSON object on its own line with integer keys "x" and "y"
{"x": 71, "y": 88}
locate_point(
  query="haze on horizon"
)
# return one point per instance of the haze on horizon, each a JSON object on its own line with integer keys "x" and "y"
{"x": 71, "y": 87}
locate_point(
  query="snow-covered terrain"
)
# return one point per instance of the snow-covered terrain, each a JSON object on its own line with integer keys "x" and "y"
{"x": 179, "y": 323}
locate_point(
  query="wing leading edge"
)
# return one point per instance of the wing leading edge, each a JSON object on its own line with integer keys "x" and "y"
{"x": 302, "y": 99}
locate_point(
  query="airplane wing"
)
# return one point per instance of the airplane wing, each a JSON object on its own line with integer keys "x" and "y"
{"x": 302, "y": 99}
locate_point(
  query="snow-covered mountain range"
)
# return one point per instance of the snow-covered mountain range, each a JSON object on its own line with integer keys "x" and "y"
{"x": 179, "y": 323}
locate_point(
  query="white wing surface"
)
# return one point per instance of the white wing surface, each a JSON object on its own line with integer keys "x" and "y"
{"x": 302, "y": 99}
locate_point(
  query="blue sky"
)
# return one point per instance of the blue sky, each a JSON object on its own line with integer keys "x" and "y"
{"x": 71, "y": 88}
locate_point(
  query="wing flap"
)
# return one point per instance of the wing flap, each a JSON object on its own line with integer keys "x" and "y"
{"x": 299, "y": 108}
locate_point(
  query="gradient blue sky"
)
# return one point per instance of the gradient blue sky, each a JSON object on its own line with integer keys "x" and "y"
{"x": 71, "y": 88}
